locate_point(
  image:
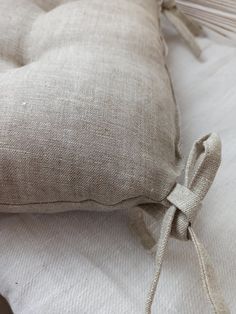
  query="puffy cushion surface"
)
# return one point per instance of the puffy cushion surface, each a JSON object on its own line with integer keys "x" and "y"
{"x": 85, "y": 262}
{"x": 88, "y": 118}
{"x": 89, "y": 263}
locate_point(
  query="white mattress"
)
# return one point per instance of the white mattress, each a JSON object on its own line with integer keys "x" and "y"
{"x": 90, "y": 262}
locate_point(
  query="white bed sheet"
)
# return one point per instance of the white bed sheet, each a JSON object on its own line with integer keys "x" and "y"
{"x": 90, "y": 262}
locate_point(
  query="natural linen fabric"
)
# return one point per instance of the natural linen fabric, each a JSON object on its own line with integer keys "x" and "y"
{"x": 90, "y": 263}
{"x": 88, "y": 118}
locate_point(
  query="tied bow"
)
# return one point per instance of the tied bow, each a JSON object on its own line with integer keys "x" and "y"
{"x": 184, "y": 203}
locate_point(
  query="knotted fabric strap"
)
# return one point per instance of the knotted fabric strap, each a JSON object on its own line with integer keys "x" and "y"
{"x": 201, "y": 168}
{"x": 185, "y": 26}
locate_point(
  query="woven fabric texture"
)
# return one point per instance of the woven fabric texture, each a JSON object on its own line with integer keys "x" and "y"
{"x": 86, "y": 262}
{"x": 88, "y": 118}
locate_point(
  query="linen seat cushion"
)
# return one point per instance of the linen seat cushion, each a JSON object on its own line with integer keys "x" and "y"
{"x": 88, "y": 118}
{"x": 85, "y": 262}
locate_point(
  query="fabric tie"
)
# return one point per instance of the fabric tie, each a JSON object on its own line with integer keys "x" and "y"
{"x": 185, "y": 201}
{"x": 187, "y": 28}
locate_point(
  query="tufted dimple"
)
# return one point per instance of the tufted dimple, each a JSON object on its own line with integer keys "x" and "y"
{"x": 85, "y": 22}
{"x": 31, "y": 28}
{"x": 15, "y": 24}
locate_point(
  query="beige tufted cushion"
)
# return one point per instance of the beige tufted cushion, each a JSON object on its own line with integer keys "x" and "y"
{"x": 88, "y": 119}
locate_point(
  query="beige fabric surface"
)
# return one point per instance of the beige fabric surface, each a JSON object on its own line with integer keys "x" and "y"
{"x": 88, "y": 118}
{"x": 86, "y": 262}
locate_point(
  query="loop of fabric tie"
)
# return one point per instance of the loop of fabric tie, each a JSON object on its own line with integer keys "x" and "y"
{"x": 187, "y": 204}
{"x": 187, "y": 28}
{"x": 201, "y": 168}
{"x": 202, "y": 165}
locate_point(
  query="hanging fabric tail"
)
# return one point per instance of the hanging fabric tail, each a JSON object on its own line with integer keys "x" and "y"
{"x": 187, "y": 28}
{"x": 184, "y": 203}
{"x": 219, "y": 16}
